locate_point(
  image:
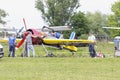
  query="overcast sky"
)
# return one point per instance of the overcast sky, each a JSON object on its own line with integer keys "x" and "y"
{"x": 19, "y": 9}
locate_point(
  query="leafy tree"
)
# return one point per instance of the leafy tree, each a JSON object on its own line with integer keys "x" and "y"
{"x": 96, "y": 22}
{"x": 57, "y": 12}
{"x": 114, "y": 19}
{"x": 2, "y": 15}
{"x": 80, "y": 24}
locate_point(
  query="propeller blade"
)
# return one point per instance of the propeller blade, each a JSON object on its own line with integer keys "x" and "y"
{"x": 24, "y": 23}
{"x": 23, "y": 39}
{"x": 20, "y": 30}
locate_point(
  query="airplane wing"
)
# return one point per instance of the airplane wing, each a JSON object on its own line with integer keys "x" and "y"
{"x": 111, "y": 27}
{"x": 5, "y": 40}
{"x": 68, "y": 43}
{"x": 74, "y": 42}
{"x": 56, "y": 28}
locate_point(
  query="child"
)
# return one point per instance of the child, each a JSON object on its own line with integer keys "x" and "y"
{"x": 100, "y": 54}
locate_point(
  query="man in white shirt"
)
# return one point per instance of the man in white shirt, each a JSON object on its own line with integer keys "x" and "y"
{"x": 91, "y": 46}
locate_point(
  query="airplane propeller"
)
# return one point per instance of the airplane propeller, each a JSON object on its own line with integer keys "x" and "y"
{"x": 24, "y": 35}
{"x": 18, "y": 32}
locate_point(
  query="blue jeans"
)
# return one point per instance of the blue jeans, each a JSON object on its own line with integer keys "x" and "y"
{"x": 30, "y": 47}
{"x": 11, "y": 50}
{"x": 92, "y": 50}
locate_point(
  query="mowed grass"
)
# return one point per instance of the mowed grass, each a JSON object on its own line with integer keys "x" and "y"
{"x": 64, "y": 66}
{"x": 67, "y": 68}
{"x": 104, "y": 47}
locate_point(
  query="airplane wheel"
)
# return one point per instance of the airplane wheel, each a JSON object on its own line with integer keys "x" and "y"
{"x": 50, "y": 54}
{"x": 73, "y": 52}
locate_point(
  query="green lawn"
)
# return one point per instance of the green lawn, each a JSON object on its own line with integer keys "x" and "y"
{"x": 106, "y": 48}
{"x": 63, "y": 67}
{"x": 67, "y": 68}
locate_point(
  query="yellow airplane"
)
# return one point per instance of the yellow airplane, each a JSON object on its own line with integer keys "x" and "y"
{"x": 69, "y": 44}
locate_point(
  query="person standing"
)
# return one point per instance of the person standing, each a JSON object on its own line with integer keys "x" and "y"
{"x": 30, "y": 45}
{"x": 92, "y": 46}
{"x": 12, "y": 41}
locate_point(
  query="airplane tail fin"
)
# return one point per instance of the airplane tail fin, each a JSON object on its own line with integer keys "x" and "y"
{"x": 72, "y": 35}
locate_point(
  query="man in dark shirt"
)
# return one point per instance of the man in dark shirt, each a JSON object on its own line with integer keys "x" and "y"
{"x": 12, "y": 41}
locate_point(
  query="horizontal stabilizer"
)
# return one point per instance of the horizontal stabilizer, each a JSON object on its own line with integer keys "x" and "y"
{"x": 71, "y": 48}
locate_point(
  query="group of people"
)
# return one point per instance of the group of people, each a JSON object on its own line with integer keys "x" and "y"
{"x": 28, "y": 41}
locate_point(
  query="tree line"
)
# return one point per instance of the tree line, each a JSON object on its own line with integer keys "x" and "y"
{"x": 66, "y": 12}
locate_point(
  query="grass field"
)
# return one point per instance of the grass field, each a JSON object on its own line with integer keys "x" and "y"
{"x": 63, "y": 67}
{"x": 106, "y": 48}
{"x": 67, "y": 68}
